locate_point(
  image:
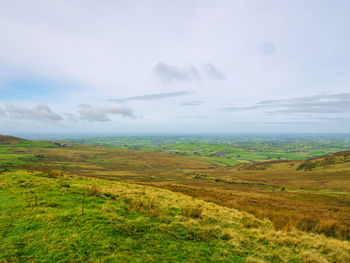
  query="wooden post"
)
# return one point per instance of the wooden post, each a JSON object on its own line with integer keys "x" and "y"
{"x": 82, "y": 205}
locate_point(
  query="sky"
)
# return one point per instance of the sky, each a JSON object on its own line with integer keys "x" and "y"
{"x": 185, "y": 66}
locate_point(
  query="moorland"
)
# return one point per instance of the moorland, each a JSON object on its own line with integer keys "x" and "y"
{"x": 171, "y": 199}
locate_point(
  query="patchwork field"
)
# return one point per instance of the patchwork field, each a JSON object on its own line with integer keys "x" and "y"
{"x": 286, "y": 196}
{"x": 231, "y": 150}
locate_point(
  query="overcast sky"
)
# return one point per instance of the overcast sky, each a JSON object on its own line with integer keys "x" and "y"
{"x": 174, "y": 66}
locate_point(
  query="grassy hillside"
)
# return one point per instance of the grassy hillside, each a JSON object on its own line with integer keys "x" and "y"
{"x": 41, "y": 219}
{"x": 9, "y": 140}
{"x": 316, "y": 200}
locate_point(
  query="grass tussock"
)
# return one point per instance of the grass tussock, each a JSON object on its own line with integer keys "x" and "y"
{"x": 94, "y": 190}
{"x": 192, "y": 210}
{"x": 198, "y": 232}
{"x": 55, "y": 173}
{"x": 146, "y": 205}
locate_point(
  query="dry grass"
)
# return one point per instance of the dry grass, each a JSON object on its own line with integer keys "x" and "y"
{"x": 282, "y": 209}
{"x": 55, "y": 173}
{"x": 192, "y": 210}
{"x": 94, "y": 190}
{"x": 251, "y": 259}
{"x": 227, "y": 234}
{"x": 146, "y": 205}
{"x": 242, "y": 230}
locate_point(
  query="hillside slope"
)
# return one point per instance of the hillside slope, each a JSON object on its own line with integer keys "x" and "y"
{"x": 9, "y": 140}
{"x": 42, "y": 220}
{"x": 316, "y": 200}
{"x": 334, "y": 160}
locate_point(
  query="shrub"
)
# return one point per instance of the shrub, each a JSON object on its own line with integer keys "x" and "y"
{"x": 307, "y": 166}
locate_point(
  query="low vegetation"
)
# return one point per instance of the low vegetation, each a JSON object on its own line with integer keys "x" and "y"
{"x": 283, "y": 194}
{"x": 41, "y": 221}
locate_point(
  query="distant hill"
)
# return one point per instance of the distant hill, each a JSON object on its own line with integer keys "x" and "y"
{"x": 337, "y": 154}
{"x": 9, "y": 140}
{"x": 326, "y": 161}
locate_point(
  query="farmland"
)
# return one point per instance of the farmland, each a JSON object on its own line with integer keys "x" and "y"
{"x": 231, "y": 150}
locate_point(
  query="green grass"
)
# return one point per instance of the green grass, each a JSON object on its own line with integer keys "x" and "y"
{"x": 15, "y": 153}
{"x": 41, "y": 221}
{"x": 54, "y": 230}
{"x": 10, "y": 159}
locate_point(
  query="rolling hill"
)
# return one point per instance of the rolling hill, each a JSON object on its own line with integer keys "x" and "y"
{"x": 261, "y": 212}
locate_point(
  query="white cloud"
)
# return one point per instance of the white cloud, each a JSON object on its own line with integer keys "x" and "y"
{"x": 157, "y": 96}
{"x": 169, "y": 73}
{"x": 319, "y": 104}
{"x": 88, "y": 112}
{"x": 40, "y": 112}
{"x": 119, "y": 110}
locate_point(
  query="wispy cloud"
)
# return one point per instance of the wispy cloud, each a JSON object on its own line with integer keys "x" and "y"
{"x": 193, "y": 117}
{"x": 155, "y": 96}
{"x": 191, "y": 103}
{"x": 213, "y": 72}
{"x": 335, "y": 103}
{"x": 276, "y": 123}
{"x": 333, "y": 120}
{"x": 169, "y": 73}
